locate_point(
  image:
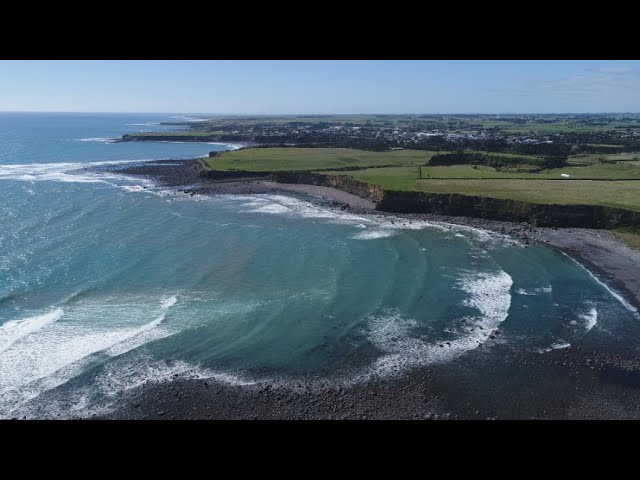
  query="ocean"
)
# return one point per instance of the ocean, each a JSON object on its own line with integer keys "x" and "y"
{"x": 108, "y": 282}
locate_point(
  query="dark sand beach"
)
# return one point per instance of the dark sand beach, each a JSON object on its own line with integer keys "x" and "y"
{"x": 568, "y": 383}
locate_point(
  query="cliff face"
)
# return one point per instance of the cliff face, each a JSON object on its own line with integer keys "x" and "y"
{"x": 584, "y": 216}
{"x": 231, "y": 174}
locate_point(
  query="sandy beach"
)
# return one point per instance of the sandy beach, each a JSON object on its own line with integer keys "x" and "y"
{"x": 325, "y": 193}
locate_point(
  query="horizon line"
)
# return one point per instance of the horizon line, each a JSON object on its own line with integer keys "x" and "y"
{"x": 321, "y": 114}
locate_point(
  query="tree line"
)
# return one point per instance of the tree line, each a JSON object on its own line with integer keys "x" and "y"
{"x": 499, "y": 162}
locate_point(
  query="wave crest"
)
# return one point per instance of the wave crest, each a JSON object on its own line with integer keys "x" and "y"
{"x": 15, "y": 330}
{"x": 489, "y": 293}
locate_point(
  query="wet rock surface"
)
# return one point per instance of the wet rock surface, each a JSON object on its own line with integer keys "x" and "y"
{"x": 561, "y": 384}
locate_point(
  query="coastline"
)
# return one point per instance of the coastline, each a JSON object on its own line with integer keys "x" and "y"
{"x": 568, "y": 383}
{"x": 597, "y": 250}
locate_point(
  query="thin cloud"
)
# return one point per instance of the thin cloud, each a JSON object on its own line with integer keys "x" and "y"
{"x": 613, "y": 69}
{"x": 590, "y": 84}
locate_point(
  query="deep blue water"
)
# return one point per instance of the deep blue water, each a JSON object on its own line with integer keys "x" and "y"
{"x": 105, "y": 285}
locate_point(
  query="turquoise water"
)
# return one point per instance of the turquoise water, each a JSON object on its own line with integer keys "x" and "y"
{"x": 105, "y": 285}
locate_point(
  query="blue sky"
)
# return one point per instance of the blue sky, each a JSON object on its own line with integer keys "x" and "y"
{"x": 279, "y": 87}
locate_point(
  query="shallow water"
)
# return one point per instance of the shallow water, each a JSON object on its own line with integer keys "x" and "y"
{"x": 105, "y": 285}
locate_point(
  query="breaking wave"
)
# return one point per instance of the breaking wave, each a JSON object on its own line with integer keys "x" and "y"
{"x": 378, "y": 226}
{"x": 15, "y": 330}
{"x": 76, "y": 172}
{"x": 402, "y": 350}
{"x": 96, "y": 140}
{"x": 590, "y": 318}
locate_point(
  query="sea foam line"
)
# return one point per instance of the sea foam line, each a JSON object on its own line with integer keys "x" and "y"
{"x": 40, "y": 364}
{"x": 489, "y": 294}
{"x": 385, "y": 226}
{"x": 142, "y": 335}
{"x": 111, "y": 385}
{"x": 559, "y": 345}
{"x": 44, "y": 361}
{"x": 96, "y": 140}
{"x": 535, "y": 291}
{"x": 57, "y": 171}
{"x": 14, "y": 330}
{"x": 615, "y": 294}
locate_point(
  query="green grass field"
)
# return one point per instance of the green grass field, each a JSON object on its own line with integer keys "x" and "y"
{"x": 626, "y": 171}
{"x": 623, "y": 194}
{"x": 590, "y": 158}
{"x": 405, "y": 162}
{"x": 270, "y": 159}
{"x": 628, "y": 236}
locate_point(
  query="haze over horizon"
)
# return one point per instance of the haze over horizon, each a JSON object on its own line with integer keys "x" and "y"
{"x": 321, "y": 87}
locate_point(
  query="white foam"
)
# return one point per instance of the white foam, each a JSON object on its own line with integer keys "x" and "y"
{"x": 38, "y": 356}
{"x": 559, "y": 345}
{"x": 187, "y": 118}
{"x": 134, "y": 188}
{"x": 273, "y": 208}
{"x": 15, "y": 330}
{"x": 490, "y": 295}
{"x": 294, "y": 207}
{"x": 535, "y": 291}
{"x": 391, "y": 333}
{"x": 168, "y": 302}
{"x": 178, "y": 195}
{"x": 49, "y": 357}
{"x": 232, "y": 146}
{"x": 96, "y": 140}
{"x": 590, "y": 318}
{"x": 615, "y": 294}
{"x": 58, "y": 172}
{"x": 373, "y": 234}
{"x": 524, "y": 291}
{"x": 119, "y": 376}
{"x": 303, "y": 209}
{"x": 145, "y": 334}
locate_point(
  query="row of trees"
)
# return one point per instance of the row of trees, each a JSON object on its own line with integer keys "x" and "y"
{"x": 499, "y": 162}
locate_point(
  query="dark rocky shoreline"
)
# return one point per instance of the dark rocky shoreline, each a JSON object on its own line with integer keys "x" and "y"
{"x": 562, "y": 384}
{"x": 570, "y": 383}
